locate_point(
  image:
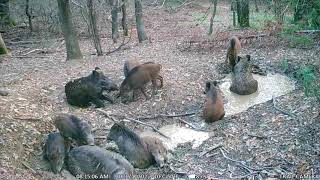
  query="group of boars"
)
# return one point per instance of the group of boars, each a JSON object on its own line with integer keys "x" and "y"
{"x": 74, "y": 147}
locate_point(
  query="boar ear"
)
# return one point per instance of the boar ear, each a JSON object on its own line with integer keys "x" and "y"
{"x": 208, "y": 85}
{"x": 239, "y": 58}
{"x": 121, "y": 123}
{"x": 248, "y": 57}
{"x": 215, "y": 83}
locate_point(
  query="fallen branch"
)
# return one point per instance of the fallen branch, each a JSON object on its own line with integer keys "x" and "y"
{"x": 29, "y": 57}
{"x": 176, "y": 172}
{"x": 210, "y": 149}
{"x": 132, "y": 120}
{"x": 205, "y": 15}
{"x": 25, "y": 165}
{"x": 283, "y": 111}
{"x": 34, "y": 50}
{"x": 152, "y": 127}
{"x": 189, "y": 124}
{"x": 122, "y": 44}
{"x": 167, "y": 116}
{"x": 257, "y": 136}
{"x": 27, "y": 118}
{"x": 307, "y": 31}
{"x": 241, "y": 164}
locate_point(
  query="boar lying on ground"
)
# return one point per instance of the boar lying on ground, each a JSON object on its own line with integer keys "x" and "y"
{"x": 213, "y": 109}
{"x": 71, "y": 126}
{"x": 139, "y": 76}
{"x": 83, "y": 91}
{"x": 55, "y": 150}
{"x": 140, "y": 152}
{"x": 92, "y": 162}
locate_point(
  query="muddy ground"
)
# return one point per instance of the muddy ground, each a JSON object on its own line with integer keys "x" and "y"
{"x": 261, "y": 141}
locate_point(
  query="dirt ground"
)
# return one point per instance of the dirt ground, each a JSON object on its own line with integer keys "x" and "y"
{"x": 261, "y": 142}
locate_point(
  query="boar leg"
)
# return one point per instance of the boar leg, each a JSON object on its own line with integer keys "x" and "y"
{"x": 154, "y": 86}
{"x": 161, "y": 81}
{"x": 98, "y": 102}
{"x": 107, "y": 97}
{"x": 143, "y": 90}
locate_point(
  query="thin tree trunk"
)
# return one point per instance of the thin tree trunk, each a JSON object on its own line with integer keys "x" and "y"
{"x": 3, "y": 48}
{"x": 256, "y": 5}
{"x": 233, "y": 9}
{"x": 114, "y": 16}
{"x": 72, "y": 44}
{"x": 243, "y": 13}
{"x": 215, "y": 2}
{"x": 139, "y": 21}
{"x": 4, "y": 12}
{"x": 93, "y": 27}
{"x": 29, "y": 15}
{"x": 124, "y": 21}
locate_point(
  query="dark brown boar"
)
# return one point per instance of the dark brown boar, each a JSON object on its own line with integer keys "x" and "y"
{"x": 92, "y": 162}
{"x": 213, "y": 108}
{"x": 233, "y": 51}
{"x": 71, "y": 126}
{"x": 243, "y": 82}
{"x": 140, "y": 152}
{"x": 55, "y": 150}
{"x": 139, "y": 76}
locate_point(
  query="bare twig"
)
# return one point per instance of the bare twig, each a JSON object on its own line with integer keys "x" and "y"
{"x": 132, "y": 120}
{"x": 152, "y": 127}
{"x": 122, "y": 44}
{"x": 29, "y": 57}
{"x": 204, "y": 17}
{"x": 34, "y": 50}
{"x": 27, "y": 118}
{"x": 176, "y": 172}
{"x": 283, "y": 111}
{"x": 257, "y": 136}
{"x": 241, "y": 164}
{"x": 210, "y": 149}
{"x": 107, "y": 115}
{"x": 189, "y": 124}
{"x": 25, "y": 165}
{"x": 167, "y": 116}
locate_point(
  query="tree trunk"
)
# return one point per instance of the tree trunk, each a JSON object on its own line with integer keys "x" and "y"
{"x": 72, "y": 44}
{"x": 215, "y": 2}
{"x": 114, "y": 16}
{"x": 243, "y": 13}
{"x": 124, "y": 21}
{"x": 93, "y": 27}
{"x": 4, "y": 12}
{"x": 3, "y": 48}
{"x": 29, "y": 15}
{"x": 256, "y": 5}
{"x": 139, "y": 21}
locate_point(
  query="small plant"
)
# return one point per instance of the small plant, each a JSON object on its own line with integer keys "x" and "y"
{"x": 309, "y": 79}
{"x": 298, "y": 41}
{"x": 285, "y": 65}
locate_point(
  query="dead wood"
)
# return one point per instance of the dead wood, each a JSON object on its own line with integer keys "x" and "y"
{"x": 132, "y": 120}
{"x": 210, "y": 149}
{"x": 282, "y": 111}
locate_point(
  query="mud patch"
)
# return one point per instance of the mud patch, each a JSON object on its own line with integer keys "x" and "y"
{"x": 179, "y": 135}
{"x": 271, "y": 85}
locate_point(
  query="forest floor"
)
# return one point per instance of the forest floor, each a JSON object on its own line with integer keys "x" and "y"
{"x": 261, "y": 141}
